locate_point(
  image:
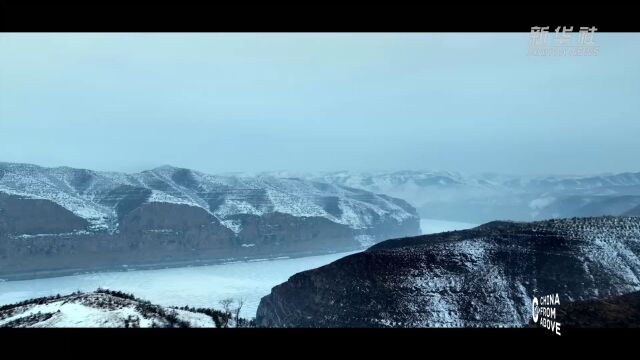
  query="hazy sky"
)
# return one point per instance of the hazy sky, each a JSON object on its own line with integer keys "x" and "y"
{"x": 305, "y": 102}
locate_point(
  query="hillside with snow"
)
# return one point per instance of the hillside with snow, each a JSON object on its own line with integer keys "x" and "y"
{"x": 105, "y": 309}
{"x": 480, "y": 277}
{"x": 97, "y": 196}
{"x": 88, "y": 218}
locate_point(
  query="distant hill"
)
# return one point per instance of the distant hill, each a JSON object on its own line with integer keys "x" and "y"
{"x": 485, "y": 197}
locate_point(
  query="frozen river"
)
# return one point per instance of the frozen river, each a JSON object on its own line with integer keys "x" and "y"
{"x": 200, "y": 286}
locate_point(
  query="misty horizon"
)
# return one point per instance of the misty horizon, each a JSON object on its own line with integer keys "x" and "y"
{"x": 250, "y": 103}
{"x": 287, "y": 172}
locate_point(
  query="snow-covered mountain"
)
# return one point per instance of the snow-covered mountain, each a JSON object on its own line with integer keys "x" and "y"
{"x": 105, "y": 309}
{"x": 486, "y": 197}
{"x": 95, "y": 195}
{"x": 390, "y": 180}
{"x": 481, "y": 277}
{"x": 175, "y": 214}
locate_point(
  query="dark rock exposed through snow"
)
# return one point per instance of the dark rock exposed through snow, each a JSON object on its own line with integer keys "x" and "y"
{"x": 484, "y": 277}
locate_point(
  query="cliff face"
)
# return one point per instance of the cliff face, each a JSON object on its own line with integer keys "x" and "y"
{"x": 54, "y": 219}
{"x": 482, "y": 277}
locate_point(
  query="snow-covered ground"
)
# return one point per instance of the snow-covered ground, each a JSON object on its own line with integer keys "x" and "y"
{"x": 95, "y": 310}
{"x": 198, "y": 286}
{"x": 432, "y": 226}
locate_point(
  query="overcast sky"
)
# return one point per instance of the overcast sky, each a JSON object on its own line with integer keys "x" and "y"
{"x": 317, "y": 102}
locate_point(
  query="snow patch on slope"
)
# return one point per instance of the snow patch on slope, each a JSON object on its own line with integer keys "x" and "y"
{"x": 162, "y": 197}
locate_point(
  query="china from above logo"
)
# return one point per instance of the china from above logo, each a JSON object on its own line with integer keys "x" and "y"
{"x": 563, "y": 42}
{"x": 543, "y": 312}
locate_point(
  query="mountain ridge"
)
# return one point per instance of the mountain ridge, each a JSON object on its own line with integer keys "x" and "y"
{"x": 172, "y": 214}
{"x": 484, "y": 197}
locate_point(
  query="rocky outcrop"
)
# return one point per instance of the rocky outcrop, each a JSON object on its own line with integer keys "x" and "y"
{"x": 57, "y": 220}
{"x": 482, "y": 277}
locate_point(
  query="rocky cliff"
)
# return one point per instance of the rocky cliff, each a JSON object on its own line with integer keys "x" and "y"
{"x": 482, "y": 277}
